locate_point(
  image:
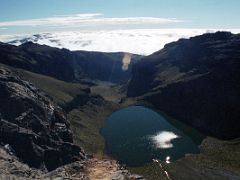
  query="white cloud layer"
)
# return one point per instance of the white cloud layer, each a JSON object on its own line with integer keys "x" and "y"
{"x": 137, "y": 41}
{"x": 80, "y": 20}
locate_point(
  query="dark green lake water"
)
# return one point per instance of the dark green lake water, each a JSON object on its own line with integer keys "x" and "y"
{"x": 136, "y": 135}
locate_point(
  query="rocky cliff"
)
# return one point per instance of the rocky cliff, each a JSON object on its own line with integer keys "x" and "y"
{"x": 195, "y": 80}
{"x": 33, "y": 127}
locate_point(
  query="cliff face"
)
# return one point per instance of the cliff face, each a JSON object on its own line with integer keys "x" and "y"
{"x": 195, "y": 80}
{"x": 33, "y": 125}
{"x": 67, "y": 65}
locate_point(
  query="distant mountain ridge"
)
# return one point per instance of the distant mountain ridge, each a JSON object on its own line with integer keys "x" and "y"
{"x": 195, "y": 80}
{"x": 67, "y": 65}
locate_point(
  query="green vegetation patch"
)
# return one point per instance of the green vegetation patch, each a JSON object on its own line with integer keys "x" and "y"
{"x": 62, "y": 92}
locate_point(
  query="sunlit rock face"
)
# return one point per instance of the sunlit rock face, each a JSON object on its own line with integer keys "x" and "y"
{"x": 163, "y": 139}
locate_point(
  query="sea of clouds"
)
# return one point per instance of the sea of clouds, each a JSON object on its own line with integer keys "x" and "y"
{"x": 137, "y": 41}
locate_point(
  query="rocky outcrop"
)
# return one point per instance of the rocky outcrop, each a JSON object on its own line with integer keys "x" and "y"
{"x": 83, "y": 99}
{"x": 67, "y": 65}
{"x": 33, "y": 126}
{"x": 12, "y": 168}
{"x": 195, "y": 80}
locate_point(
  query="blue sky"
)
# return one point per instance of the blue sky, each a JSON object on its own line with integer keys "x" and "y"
{"x": 167, "y": 13}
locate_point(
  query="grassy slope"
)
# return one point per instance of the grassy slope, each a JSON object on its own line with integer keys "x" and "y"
{"x": 108, "y": 91}
{"x": 86, "y": 124}
{"x": 62, "y": 92}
